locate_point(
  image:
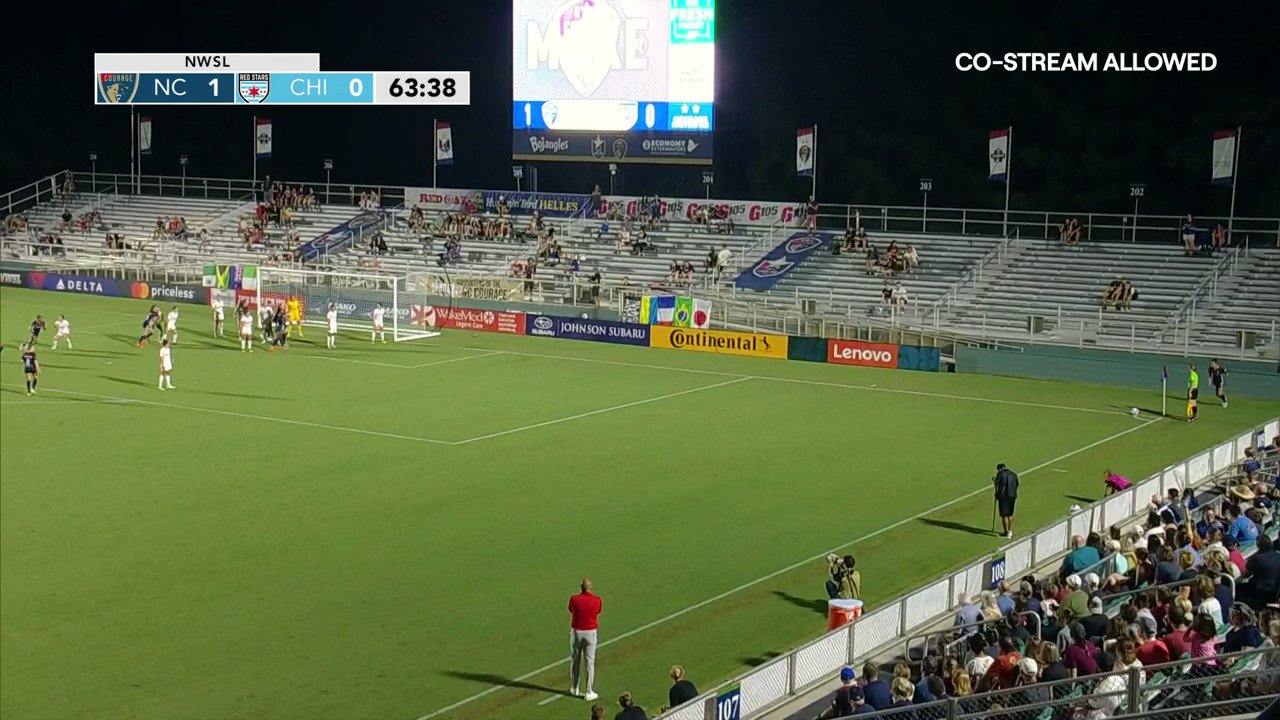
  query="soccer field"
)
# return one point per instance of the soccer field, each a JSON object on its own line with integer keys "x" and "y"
{"x": 392, "y": 531}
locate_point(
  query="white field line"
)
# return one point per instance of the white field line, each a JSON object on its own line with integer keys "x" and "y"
{"x": 230, "y": 413}
{"x": 601, "y": 411}
{"x": 765, "y": 578}
{"x": 68, "y": 401}
{"x": 799, "y": 381}
{"x": 491, "y": 353}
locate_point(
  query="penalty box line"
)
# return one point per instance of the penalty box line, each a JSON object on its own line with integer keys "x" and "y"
{"x": 765, "y": 578}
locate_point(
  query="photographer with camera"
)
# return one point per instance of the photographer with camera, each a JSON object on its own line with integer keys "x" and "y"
{"x": 843, "y": 581}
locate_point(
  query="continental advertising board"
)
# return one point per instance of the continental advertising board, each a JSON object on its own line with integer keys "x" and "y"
{"x": 726, "y": 342}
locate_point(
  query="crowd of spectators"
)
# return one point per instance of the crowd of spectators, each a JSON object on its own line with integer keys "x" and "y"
{"x": 1177, "y": 587}
{"x": 1196, "y": 241}
{"x": 1069, "y": 231}
{"x": 680, "y": 692}
{"x": 680, "y": 273}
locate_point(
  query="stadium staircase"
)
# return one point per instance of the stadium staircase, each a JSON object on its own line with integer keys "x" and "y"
{"x": 1248, "y": 300}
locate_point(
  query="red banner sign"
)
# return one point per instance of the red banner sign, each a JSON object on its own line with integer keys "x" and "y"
{"x": 498, "y": 321}
{"x": 852, "y": 352}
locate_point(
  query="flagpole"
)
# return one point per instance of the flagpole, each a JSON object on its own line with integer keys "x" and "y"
{"x": 254, "y": 147}
{"x": 1008, "y": 180}
{"x": 138, "y": 185}
{"x": 813, "y": 189}
{"x": 435, "y": 153}
{"x": 131, "y": 151}
{"x": 1235, "y": 178}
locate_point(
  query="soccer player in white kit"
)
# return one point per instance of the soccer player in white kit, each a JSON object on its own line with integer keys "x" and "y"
{"x": 171, "y": 324}
{"x": 63, "y": 333}
{"x": 265, "y": 313}
{"x": 246, "y": 331}
{"x": 166, "y": 365}
{"x": 378, "y": 331}
{"x": 218, "y": 317}
{"x": 332, "y": 317}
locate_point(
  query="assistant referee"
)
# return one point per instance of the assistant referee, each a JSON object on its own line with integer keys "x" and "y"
{"x": 1193, "y": 393}
{"x": 584, "y": 609}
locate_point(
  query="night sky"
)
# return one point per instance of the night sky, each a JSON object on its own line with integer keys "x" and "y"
{"x": 878, "y": 78}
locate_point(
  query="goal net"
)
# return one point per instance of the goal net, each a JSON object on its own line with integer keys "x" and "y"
{"x": 355, "y": 296}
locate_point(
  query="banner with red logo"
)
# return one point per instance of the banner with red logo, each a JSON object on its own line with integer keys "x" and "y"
{"x": 446, "y": 200}
{"x": 853, "y": 352}
{"x": 271, "y": 298}
{"x": 741, "y": 212}
{"x": 499, "y": 321}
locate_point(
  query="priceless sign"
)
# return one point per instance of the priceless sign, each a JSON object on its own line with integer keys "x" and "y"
{"x": 719, "y": 341}
{"x": 853, "y": 352}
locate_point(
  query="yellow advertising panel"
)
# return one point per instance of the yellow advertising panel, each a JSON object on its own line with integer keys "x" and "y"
{"x": 719, "y": 341}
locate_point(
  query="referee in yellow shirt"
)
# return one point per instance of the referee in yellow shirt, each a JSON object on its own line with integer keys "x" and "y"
{"x": 1193, "y": 393}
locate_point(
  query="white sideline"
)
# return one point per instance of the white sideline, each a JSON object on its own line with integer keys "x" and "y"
{"x": 873, "y": 388}
{"x": 601, "y": 411}
{"x": 776, "y": 573}
{"x": 304, "y": 423}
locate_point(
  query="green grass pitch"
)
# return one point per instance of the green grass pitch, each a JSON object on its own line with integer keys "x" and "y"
{"x": 391, "y": 531}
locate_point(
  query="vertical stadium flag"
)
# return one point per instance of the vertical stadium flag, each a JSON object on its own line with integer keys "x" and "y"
{"x": 444, "y": 144}
{"x": 249, "y": 277}
{"x": 144, "y": 135}
{"x": 998, "y": 156}
{"x": 1224, "y": 157}
{"x": 263, "y": 138}
{"x": 666, "y": 309}
{"x": 684, "y": 312}
{"x": 701, "y": 314}
{"x": 805, "y": 151}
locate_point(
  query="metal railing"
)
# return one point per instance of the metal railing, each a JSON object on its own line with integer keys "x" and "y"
{"x": 781, "y": 678}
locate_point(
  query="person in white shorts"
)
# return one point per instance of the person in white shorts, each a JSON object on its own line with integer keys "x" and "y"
{"x": 171, "y": 324}
{"x": 332, "y": 317}
{"x": 246, "y": 331}
{"x": 166, "y": 366}
{"x": 218, "y": 317}
{"x": 379, "y": 333}
{"x": 64, "y": 332}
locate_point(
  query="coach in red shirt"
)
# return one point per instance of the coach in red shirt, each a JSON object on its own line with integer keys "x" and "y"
{"x": 584, "y": 608}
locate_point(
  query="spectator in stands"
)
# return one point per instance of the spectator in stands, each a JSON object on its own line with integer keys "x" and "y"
{"x": 900, "y": 297}
{"x": 1167, "y": 569}
{"x": 872, "y": 258}
{"x": 1178, "y": 639}
{"x": 1150, "y": 649}
{"x": 962, "y": 689}
{"x": 1004, "y": 671}
{"x": 1218, "y": 238}
{"x": 1079, "y": 657}
{"x": 876, "y": 691}
{"x": 1189, "y": 236}
{"x": 1203, "y": 639}
{"x": 886, "y": 295}
{"x": 1069, "y": 231}
{"x": 1081, "y": 557}
{"x": 1205, "y": 599}
{"x": 630, "y": 711}
{"x": 902, "y": 691}
{"x": 1244, "y": 633}
{"x": 848, "y": 698}
{"x": 811, "y": 214}
{"x": 1004, "y": 598}
{"x": 1108, "y": 693}
{"x": 595, "y": 287}
{"x": 910, "y": 258}
{"x": 1075, "y": 606}
{"x": 723, "y": 262}
{"x": 990, "y": 610}
{"x": 1186, "y": 565}
{"x": 1240, "y": 528}
{"x": 1096, "y": 622}
{"x": 1209, "y": 522}
{"x": 968, "y": 616}
{"x": 1261, "y": 577}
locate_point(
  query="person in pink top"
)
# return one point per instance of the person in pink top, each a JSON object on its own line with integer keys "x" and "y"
{"x": 584, "y": 609}
{"x": 1114, "y": 483}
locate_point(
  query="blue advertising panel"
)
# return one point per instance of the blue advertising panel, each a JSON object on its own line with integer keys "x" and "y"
{"x": 586, "y": 329}
{"x": 911, "y": 357}
{"x": 780, "y": 261}
{"x": 547, "y": 204}
{"x": 83, "y": 284}
{"x": 339, "y": 237}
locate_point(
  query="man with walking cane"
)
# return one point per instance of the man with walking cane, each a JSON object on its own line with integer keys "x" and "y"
{"x": 1006, "y": 482}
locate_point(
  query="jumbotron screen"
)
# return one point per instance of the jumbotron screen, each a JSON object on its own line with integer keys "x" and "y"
{"x": 613, "y": 66}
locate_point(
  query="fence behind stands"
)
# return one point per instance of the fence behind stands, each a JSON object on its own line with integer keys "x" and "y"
{"x": 766, "y": 686}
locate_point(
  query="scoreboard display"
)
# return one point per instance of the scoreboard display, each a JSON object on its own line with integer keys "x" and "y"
{"x": 263, "y": 80}
{"x": 622, "y": 80}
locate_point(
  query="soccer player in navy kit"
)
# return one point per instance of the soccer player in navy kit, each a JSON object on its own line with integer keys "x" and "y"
{"x": 36, "y": 326}
{"x": 148, "y": 325}
{"x": 30, "y": 367}
{"x": 1218, "y": 376}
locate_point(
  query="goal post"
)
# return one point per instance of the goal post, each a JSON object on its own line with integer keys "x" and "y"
{"x": 353, "y": 295}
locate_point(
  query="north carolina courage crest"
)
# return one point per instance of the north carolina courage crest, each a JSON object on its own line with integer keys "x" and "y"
{"x": 117, "y": 88}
